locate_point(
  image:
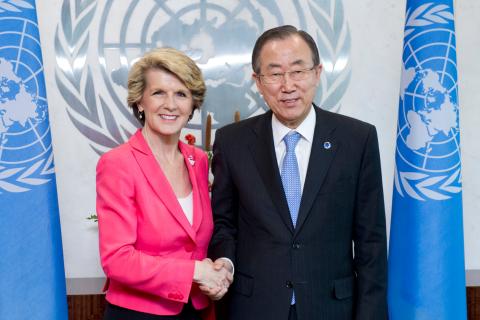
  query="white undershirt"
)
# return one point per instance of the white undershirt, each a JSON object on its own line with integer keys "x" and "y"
{"x": 187, "y": 206}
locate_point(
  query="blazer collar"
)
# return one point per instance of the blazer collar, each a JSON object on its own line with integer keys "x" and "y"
{"x": 159, "y": 183}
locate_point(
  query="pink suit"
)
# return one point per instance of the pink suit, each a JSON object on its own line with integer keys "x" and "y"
{"x": 147, "y": 246}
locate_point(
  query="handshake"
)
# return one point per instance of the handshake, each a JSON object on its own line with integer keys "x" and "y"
{"x": 213, "y": 278}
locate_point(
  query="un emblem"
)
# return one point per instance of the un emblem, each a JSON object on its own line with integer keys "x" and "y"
{"x": 26, "y": 158}
{"x": 428, "y": 137}
{"x": 219, "y": 36}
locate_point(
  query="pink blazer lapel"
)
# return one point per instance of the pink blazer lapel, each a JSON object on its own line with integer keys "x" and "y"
{"x": 159, "y": 183}
{"x": 193, "y": 167}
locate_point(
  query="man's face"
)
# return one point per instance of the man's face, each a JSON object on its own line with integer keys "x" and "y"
{"x": 288, "y": 99}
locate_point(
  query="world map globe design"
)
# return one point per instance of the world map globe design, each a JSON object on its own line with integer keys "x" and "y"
{"x": 218, "y": 39}
{"x": 428, "y": 136}
{"x": 25, "y": 140}
{"x": 217, "y": 35}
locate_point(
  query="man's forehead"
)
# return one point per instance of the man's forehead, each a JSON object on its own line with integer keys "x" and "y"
{"x": 297, "y": 62}
{"x": 295, "y": 47}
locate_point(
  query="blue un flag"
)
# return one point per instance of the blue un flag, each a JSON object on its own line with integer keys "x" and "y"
{"x": 32, "y": 278}
{"x": 426, "y": 256}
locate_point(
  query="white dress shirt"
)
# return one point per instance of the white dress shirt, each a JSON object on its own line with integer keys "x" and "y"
{"x": 304, "y": 146}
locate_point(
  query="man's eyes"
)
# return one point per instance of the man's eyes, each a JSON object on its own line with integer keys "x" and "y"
{"x": 280, "y": 74}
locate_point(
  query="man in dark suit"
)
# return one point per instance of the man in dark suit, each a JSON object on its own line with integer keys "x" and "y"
{"x": 297, "y": 198}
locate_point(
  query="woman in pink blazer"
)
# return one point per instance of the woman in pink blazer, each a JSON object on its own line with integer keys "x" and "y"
{"x": 154, "y": 214}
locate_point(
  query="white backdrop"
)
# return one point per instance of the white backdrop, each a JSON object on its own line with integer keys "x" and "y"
{"x": 377, "y": 32}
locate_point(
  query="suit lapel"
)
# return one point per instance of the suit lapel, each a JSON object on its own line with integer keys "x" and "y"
{"x": 263, "y": 152}
{"x": 159, "y": 183}
{"x": 323, "y": 151}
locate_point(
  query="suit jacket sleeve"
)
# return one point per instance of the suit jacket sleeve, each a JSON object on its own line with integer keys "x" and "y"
{"x": 224, "y": 204}
{"x": 121, "y": 261}
{"x": 370, "y": 236}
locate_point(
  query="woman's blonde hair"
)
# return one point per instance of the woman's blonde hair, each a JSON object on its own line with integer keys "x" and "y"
{"x": 170, "y": 60}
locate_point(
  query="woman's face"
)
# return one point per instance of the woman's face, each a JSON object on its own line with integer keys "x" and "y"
{"x": 167, "y": 103}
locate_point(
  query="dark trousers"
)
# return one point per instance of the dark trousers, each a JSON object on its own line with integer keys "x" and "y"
{"x": 113, "y": 312}
{"x": 292, "y": 315}
{"x": 222, "y": 311}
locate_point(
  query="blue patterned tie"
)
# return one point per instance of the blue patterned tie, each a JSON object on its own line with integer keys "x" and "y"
{"x": 291, "y": 180}
{"x": 291, "y": 176}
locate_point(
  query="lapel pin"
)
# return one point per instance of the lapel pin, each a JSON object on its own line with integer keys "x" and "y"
{"x": 191, "y": 160}
{"x": 327, "y": 145}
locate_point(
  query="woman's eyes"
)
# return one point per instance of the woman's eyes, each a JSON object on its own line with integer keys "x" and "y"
{"x": 180, "y": 94}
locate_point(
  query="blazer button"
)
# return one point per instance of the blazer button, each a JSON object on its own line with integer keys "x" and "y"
{"x": 289, "y": 284}
{"x": 296, "y": 246}
{"x": 189, "y": 247}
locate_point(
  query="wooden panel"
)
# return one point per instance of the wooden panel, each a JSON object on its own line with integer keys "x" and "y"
{"x": 473, "y": 303}
{"x": 91, "y": 307}
{"x": 86, "y": 307}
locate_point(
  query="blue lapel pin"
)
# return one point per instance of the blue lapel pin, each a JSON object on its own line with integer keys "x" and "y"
{"x": 327, "y": 145}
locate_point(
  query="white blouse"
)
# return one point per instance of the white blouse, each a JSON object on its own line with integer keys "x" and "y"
{"x": 187, "y": 206}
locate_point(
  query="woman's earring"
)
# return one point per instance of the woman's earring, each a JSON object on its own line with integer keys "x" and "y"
{"x": 141, "y": 115}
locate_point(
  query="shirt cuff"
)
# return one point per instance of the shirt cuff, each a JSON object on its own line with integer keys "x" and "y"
{"x": 231, "y": 264}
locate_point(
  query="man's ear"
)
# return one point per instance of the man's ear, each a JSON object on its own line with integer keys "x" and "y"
{"x": 318, "y": 73}
{"x": 258, "y": 82}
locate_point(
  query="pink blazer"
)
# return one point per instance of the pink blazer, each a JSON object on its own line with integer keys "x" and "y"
{"x": 147, "y": 246}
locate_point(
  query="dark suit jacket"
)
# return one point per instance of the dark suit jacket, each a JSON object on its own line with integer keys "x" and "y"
{"x": 342, "y": 202}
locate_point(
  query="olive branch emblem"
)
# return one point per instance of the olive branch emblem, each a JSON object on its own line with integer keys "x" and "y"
{"x": 22, "y": 179}
{"x": 421, "y": 186}
{"x": 14, "y": 5}
{"x": 87, "y": 110}
{"x": 425, "y": 15}
{"x": 333, "y": 42}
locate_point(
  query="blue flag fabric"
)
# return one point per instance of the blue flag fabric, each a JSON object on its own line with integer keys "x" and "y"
{"x": 426, "y": 256}
{"x": 32, "y": 277}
